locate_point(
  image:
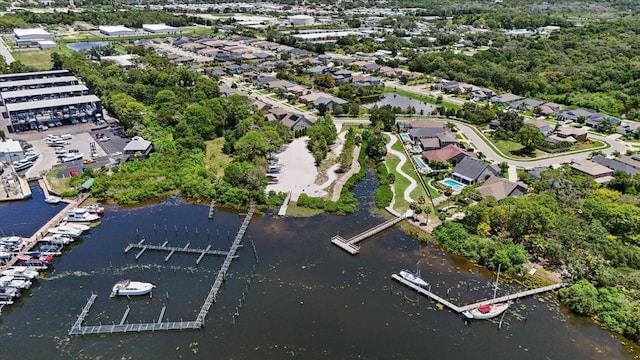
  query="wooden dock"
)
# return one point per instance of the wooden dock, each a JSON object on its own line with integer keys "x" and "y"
{"x": 173, "y": 249}
{"x": 349, "y": 245}
{"x": 123, "y": 327}
{"x": 460, "y": 309}
{"x": 212, "y": 208}
{"x": 33, "y": 240}
{"x": 285, "y": 205}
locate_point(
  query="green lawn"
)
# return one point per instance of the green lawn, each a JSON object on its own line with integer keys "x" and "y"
{"x": 507, "y": 146}
{"x": 402, "y": 182}
{"x": 214, "y": 158}
{"x": 39, "y": 59}
{"x": 424, "y": 98}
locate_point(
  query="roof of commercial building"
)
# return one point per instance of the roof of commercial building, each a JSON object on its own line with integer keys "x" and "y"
{"x": 31, "y": 32}
{"x": 9, "y": 146}
{"x": 42, "y": 91}
{"x": 114, "y": 28}
{"x": 137, "y": 144}
{"x": 43, "y": 104}
{"x": 60, "y": 79}
{"x": 33, "y": 73}
{"x": 158, "y": 27}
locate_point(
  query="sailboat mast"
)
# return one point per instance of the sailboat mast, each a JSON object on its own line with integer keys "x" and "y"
{"x": 495, "y": 288}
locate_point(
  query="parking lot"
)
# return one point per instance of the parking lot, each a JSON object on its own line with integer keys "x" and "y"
{"x": 105, "y": 145}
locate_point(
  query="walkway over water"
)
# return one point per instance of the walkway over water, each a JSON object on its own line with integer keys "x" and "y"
{"x": 55, "y": 221}
{"x": 173, "y": 249}
{"x": 285, "y": 205}
{"x": 460, "y": 309}
{"x": 349, "y": 245}
{"x": 123, "y": 327}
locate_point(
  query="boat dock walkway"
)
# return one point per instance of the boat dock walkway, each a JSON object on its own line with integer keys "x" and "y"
{"x": 173, "y": 249}
{"x": 285, "y": 205}
{"x": 212, "y": 208}
{"x": 349, "y": 245}
{"x": 55, "y": 221}
{"x": 460, "y": 309}
{"x": 123, "y": 327}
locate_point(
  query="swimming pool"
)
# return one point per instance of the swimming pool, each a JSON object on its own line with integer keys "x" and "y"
{"x": 405, "y": 137}
{"x": 424, "y": 168}
{"x": 453, "y": 183}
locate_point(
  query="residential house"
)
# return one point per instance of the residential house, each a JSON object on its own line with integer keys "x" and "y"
{"x": 617, "y": 164}
{"x": 311, "y": 97}
{"x": 329, "y": 101}
{"x": 426, "y": 132}
{"x": 296, "y": 121}
{"x": 501, "y": 188}
{"x": 504, "y": 99}
{"x": 262, "y": 82}
{"x": 389, "y": 72}
{"x": 481, "y": 94}
{"x": 404, "y": 125}
{"x": 431, "y": 143}
{"x": 447, "y": 86}
{"x": 594, "y": 120}
{"x": 601, "y": 174}
{"x": 627, "y": 127}
{"x": 450, "y": 153}
{"x": 579, "y": 134}
{"x": 544, "y": 127}
{"x": 556, "y": 108}
{"x": 316, "y": 70}
{"x": 138, "y": 148}
{"x": 370, "y": 67}
{"x": 525, "y": 104}
{"x": 470, "y": 170}
{"x": 571, "y": 116}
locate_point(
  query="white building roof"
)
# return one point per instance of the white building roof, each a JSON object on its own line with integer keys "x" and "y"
{"x": 46, "y": 42}
{"x": 114, "y": 28}
{"x": 42, "y": 91}
{"x": 158, "y": 27}
{"x": 137, "y": 144}
{"x": 301, "y": 17}
{"x": 31, "y": 32}
{"x": 33, "y": 73}
{"x": 43, "y": 104}
{"x": 10, "y": 146}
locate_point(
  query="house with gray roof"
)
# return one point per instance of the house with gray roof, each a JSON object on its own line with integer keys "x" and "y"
{"x": 469, "y": 171}
{"x": 616, "y": 165}
{"x": 525, "y": 104}
{"x": 503, "y": 99}
{"x": 600, "y": 173}
{"x": 138, "y": 148}
{"x": 571, "y": 116}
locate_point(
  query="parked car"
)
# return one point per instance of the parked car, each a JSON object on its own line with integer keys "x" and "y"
{"x": 88, "y": 161}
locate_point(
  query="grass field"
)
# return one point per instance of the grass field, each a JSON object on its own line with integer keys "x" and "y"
{"x": 215, "y": 159}
{"x": 507, "y": 146}
{"x": 56, "y": 184}
{"x": 39, "y": 59}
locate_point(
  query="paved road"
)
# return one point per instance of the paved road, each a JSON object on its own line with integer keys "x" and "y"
{"x": 481, "y": 144}
{"x": 4, "y": 51}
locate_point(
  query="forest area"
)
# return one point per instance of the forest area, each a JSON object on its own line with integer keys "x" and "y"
{"x": 584, "y": 231}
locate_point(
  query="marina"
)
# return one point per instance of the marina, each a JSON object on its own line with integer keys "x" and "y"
{"x": 122, "y": 327}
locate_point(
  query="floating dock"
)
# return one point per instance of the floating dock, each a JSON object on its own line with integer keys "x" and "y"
{"x": 460, "y": 309}
{"x": 123, "y": 327}
{"x": 173, "y": 249}
{"x": 349, "y": 245}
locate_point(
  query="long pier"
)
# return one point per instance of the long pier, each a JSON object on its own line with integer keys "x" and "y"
{"x": 173, "y": 249}
{"x": 349, "y": 245}
{"x": 123, "y": 327}
{"x": 460, "y": 309}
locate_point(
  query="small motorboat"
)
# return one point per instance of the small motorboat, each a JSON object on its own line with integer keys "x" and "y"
{"x": 95, "y": 208}
{"x": 52, "y": 200}
{"x": 131, "y": 288}
{"x": 81, "y": 215}
{"x": 66, "y": 230}
{"x": 21, "y": 271}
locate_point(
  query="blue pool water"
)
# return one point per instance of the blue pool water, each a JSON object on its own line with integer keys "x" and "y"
{"x": 423, "y": 167}
{"x": 452, "y": 183}
{"x": 405, "y": 137}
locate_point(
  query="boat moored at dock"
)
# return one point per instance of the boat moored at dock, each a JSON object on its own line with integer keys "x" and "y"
{"x": 66, "y": 230}
{"x": 80, "y": 215}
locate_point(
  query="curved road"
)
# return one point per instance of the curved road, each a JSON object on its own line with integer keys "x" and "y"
{"x": 481, "y": 144}
{"x": 403, "y": 159}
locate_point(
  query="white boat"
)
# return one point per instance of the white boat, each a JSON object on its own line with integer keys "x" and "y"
{"x": 57, "y": 239}
{"x": 81, "y": 214}
{"x": 78, "y": 226}
{"x": 488, "y": 311}
{"x": 22, "y": 165}
{"x": 95, "y": 208}
{"x": 74, "y": 157}
{"x": 14, "y": 282}
{"x": 21, "y": 271}
{"x": 131, "y": 288}
{"x": 52, "y": 200}
{"x": 66, "y": 230}
{"x": 414, "y": 277}
{"x": 5, "y": 255}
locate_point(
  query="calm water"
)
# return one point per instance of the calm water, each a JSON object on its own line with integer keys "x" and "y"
{"x": 304, "y": 298}
{"x": 403, "y": 102}
{"x": 86, "y": 45}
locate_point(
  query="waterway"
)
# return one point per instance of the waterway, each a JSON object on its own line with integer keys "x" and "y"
{"x": 402, "y": 102}
{"x": 303, "y": 298}
{"x": 86, "y": 45}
